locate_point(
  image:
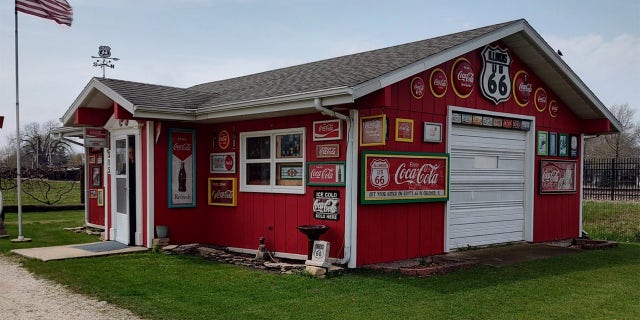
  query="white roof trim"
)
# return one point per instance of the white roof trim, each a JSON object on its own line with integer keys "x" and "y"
{"x": 88, "y": 91}
{"x": 433, "y": 60}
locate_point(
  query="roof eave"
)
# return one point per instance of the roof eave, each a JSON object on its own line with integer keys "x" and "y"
{"x": 81, "y": 101}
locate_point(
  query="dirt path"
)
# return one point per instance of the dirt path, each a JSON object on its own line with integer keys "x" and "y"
{"x": 22, "y": 296}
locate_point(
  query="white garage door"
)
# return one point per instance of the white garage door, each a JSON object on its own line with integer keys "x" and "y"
{"x": 487, "y": 188}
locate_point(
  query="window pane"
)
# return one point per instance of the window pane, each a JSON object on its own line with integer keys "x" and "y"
{"x": 289, "y": 174}
{"x": 258, "y": 147}
{"x": 121, "y": 156}
{"x": 288, "y": 145}
{"x": 258, "y": 174}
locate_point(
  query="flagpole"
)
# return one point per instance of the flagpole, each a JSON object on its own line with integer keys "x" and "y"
{"x": 20, "y": 238}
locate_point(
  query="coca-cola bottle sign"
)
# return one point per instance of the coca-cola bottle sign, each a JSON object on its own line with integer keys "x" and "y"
{"x": 322, "y": 173}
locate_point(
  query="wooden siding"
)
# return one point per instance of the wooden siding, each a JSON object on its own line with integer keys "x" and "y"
{"x": 401, "y": 231}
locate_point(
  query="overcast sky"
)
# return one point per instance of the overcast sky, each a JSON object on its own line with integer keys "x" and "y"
{"x": 186, "y": 42}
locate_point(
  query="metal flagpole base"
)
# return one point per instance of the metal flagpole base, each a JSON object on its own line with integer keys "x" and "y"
{"x": 21, "y": 239}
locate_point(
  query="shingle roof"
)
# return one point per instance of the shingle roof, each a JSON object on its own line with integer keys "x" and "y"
{"x": 143, "y": 94}
{"x": 344, "y": 71}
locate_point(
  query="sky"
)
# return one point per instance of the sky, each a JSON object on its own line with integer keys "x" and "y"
{"x": 182, "y": 43}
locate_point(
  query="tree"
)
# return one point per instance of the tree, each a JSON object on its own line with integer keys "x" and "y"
{"x": 39, "y": 148}
{"x": 621, "y": 145}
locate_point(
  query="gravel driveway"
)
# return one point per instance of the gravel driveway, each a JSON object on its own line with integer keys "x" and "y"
{"x": 22, "y": 296}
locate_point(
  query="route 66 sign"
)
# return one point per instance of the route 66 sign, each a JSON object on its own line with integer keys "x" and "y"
{"x": 104, "y": 51}
{"x": 379, "y": 173}
{"x": 495, "y": 81}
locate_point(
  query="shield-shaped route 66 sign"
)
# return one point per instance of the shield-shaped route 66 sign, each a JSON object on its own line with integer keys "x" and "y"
{"x": 495, "y": 81}
{"x": 379, "y": 175}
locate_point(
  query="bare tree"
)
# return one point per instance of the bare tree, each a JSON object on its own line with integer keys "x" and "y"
{"x": 621, "y": 145}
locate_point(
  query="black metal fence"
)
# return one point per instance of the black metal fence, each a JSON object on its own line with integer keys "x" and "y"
{"x": 612, "y": 179}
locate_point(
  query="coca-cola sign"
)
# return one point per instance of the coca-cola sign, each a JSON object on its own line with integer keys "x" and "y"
{"x": 438, "y": 82}
{"x": 181, "y": 168}
{"x": 93, "y": 137}
{"x": 417, "y": 87}
{"x": 553, "y": 108}
{"x": 328, "y": 151}
{"x": 325, "y": 173}
{"x": 522, "y": 88}
{"x": 224, "y": 162}
{"x": 395, "y": 177}
{"x": 462, "y": 77}
{"x": 222, "y": 192}
{"x": 557, "y": 176}
{"x": 327, "y": 130}
{"x": 540, "y": 99}
{"x": 326, "y": 204}
{"x": 224, "y": 139}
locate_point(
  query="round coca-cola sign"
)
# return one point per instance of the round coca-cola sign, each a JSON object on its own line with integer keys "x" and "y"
{"x": 540, "y": 99}
{"x": 417, "y": 87}
{"x": 462, "y": 77}
{"x": 553, "y": 108}
{"x": 224, "y": 139}
{"x": 522, "y": 88}
{"x": 228, "y": 163}
{"x": 438, "y": 82}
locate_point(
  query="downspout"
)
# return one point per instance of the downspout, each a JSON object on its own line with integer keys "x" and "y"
{"x": 317, "y": 103}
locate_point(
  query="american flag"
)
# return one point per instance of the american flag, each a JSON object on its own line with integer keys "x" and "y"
{"x": 57, "y": 10}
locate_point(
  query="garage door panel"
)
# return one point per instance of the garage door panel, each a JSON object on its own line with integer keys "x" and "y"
{"x": 484, "y": 240}
{"x": 488, "y": 228}
{"x": 481, "y": 196}
{"x": 487, "y": 186}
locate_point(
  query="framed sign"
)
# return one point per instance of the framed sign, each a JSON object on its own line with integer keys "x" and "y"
{"x": 93, "y": 193}
{"x": 557, "y": 176}
{"x": 96, "y": 176}
{"x": 373, "y": 130}
{"x": 223, "y": 162}
{"x": 224, "y": 139}
{"x": 328, "y": 151}
{"x": 553, "y": 144}
{"x": 100, "y": 196}
{"x": 563, "y": 144}
{"x": 399, "y": 177}
{"x": 326, "y": 205}
{"x": 543, "y": 143}
{"x": 432, "y": 132}
{"x": 404, "y": 130}
{"x": 325, "y": 173}
{"x": 417, "y": 87}
{"x": 327, "y": 130}
{"x": 223, "y": 192}
{"x": 95, "y": 137}
{"x": 573, "y": 146}
{"x": 182, "y": 167}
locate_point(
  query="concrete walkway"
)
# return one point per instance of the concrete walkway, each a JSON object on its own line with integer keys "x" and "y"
{"x": 77, "y": 251}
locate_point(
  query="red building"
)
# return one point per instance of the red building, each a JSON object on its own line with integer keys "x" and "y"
{"x": 468, "y": 139}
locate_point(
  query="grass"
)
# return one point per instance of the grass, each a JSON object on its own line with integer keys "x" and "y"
{"x": 45, "y": 229}
{"x": 10, "y": 197}
{"x": 607, "y": 220}
{"x": 600, "y": 284}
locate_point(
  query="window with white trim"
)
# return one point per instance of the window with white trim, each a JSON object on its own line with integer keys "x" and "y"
{"x": 272, "y": 161}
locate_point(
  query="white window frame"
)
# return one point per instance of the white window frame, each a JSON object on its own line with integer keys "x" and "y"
{"x": 272, "y": 187}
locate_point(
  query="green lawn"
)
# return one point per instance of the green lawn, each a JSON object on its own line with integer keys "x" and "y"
{"x": 60, "y": 192}
{"x": 607, "y": 220}
{"x": 599, "y": 284}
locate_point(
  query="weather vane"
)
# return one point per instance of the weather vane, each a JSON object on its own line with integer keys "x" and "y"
{"x": 104, "y": 59}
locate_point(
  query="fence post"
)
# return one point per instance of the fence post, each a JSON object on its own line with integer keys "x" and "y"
{"x": 614, "y": 179}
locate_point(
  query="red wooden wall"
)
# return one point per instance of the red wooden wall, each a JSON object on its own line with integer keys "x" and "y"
{"x": 95, "y": 213}
{"x": 391, "y": 232}
{"x": 269, "y": 215}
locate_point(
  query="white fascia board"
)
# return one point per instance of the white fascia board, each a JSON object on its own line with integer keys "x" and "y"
{"x": 87, "y": 92}
{"x": 280, "y": 104}
{"x": 434, "y": 60}
{"x": 164, "y": 113}
{"x": 566, "y": 71}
